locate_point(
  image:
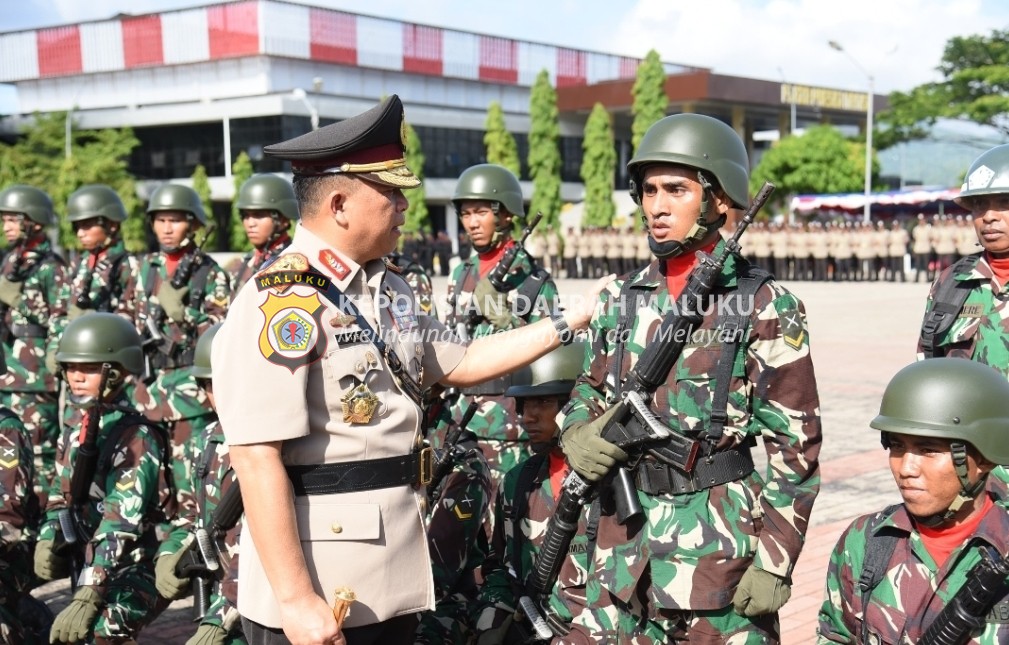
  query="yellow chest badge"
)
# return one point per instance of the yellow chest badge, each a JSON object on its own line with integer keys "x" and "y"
{"x": 359, "y": 405}
{"x": 292, "y": 335}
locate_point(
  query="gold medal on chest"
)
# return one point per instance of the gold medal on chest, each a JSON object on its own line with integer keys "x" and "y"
{"x": 359, "y": 404}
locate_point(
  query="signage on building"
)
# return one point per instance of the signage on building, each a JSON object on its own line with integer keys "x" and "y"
{"x": 823, "y": 97}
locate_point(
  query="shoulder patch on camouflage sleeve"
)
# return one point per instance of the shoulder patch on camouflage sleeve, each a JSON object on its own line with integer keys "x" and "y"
{"x": 8, "y": 458}
{"x": 792, "y": 330}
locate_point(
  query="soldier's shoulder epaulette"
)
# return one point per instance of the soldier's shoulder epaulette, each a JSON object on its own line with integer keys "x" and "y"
{"x": 284, "y": 262}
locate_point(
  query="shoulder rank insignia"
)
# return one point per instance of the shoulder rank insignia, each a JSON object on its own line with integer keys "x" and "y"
{"x": 335, "y": 263}
{"x": 293, "y": 336}
{"x": 127, "y": 479}
{"x": 289, "y": 270}
{"x": 8, "y": 458}
{"x": 792, "y": 330}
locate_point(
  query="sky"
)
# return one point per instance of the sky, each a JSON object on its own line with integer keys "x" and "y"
{"x": 897, "y": 42}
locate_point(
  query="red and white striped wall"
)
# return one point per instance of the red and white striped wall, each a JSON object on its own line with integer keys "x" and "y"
{"x": 269, "y": 27}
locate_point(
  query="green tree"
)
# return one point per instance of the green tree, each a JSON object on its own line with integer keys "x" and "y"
{"x": 544, "y": 154}
{"x": 650, "y": 100}
{"x": 416, "y": 213}
{"x": 39, "y": 159}
{"x": 500, "y": 144}
{"x": 975, "y": 86}
{"x": 599, "y": 163}
{"x": 201, "y": 184}
{"x": 241, "y": 170}
{"x": 820, "y": 160}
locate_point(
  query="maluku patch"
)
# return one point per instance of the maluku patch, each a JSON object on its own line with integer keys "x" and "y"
{"x": 792, "y": 330}
{"x": 292, "y": 335}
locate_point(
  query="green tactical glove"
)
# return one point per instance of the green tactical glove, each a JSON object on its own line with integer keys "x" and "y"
{"x": 171, "y": 300}
{"x": 760, "y": 592}
{"x": 492, "y": 304}
{"x": 74, "y": 623}
{"x": 51, "y": 363}
{"x": 169, "y": 585}
{"x": 48, "y": 565}
{"x": 75, "y": 312}
{"x": 589, "y": 454}
{"x": 497, "y": 635}
{"x": 208, "y": 634}
{"x": 10, "y": 291}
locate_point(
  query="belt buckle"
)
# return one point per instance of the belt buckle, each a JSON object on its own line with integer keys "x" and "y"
{"x": 426, "y": 465}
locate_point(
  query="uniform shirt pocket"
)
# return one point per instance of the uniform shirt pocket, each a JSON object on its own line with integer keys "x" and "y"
{"x": 324, "y": 522}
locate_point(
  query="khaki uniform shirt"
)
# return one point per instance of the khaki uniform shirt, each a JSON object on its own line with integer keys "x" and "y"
{"x": 571, "y": 244}
{"x": 584, "y": 241}
{"x": 597, "y": 245}
{"x": 922, "y": 234}
{"x": 897, "y": 243}
{"x": 644, "y": 251}
{"x": 283, "y": 360}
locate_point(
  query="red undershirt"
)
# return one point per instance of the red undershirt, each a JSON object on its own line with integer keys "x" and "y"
{"x": 558, "y": 471}
{"x": 678, "y": 270}
{"x": 173, "y": 261}
{"x": 489, "y": 259}
{"x": 1000, "y": 267}
{"x": 941, "y": 542}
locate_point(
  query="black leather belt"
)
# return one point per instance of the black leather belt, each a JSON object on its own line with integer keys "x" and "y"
{"x": 368, "y": 474}
{"x": 655, "y": 478}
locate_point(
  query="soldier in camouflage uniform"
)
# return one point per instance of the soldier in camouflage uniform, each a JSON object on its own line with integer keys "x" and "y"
{"x": 31, "y": 278}
{"x": 945, "y": 423}
{"x": 527, "y": 500}
{"x": 710, "y": 560}
{"x": 212, "y": 478}
{"x": 418, "y": 280}
{"x": 488, "y": 198}
{"x": 457, "y": 538}
{"x": 130, "y": 497}
{"x": 18, "y": 515}
{"x": 268, "y": 207}
{"x": 171, "y": 318}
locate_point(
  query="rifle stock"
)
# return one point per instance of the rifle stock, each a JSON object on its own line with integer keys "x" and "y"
{"x": 966, "y": 612}
{"x": 448, "y": 454}
{"x": 634, "y": 426}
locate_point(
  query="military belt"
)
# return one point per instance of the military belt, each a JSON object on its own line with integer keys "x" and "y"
{"x": 655, "y": 478}
{"x": 493, "y": 387}
{"x": 369, "y": 474}
{"x": 28, "y": 330}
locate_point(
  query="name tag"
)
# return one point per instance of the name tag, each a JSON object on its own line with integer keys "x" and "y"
{"x": 972, "y": 311}
{"x": 999, "y": 614}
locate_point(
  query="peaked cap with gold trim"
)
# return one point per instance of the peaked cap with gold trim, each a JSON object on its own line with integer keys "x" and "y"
{"x": 371, "y": 144}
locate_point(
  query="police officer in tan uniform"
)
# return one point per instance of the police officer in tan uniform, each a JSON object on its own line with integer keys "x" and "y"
{"x": 553, "y": 256}
{"x": 896, "y": 248}
{"x": 323, "y": 359}
{"x": 570, "y": 253}
{"x": 585, "y": 269}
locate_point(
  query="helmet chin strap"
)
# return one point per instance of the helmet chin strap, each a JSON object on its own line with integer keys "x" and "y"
{"x": 968, "y": 492}
{"x": 700, "y": 229}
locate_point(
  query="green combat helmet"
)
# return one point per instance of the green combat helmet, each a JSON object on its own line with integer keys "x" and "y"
{"x": 701, "y": 142}
{"x": 201, "y": 360}
{"x": 95, "y": 200}
{"x": 269, "y": 193}
{"x": 176, "y": 197}
{"x": 987, "y": 175}
{"x": 494, "y": 184}
{"x": 100, "y": 337}
{"x": 551, "y": 375}
{"x": 955, "y": 399}
{"x": 30, "y": 201}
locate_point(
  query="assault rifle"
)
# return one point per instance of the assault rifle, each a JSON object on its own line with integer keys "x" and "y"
{"x": 445, "y": 458}
{"x": 499, "y": 274}
{"x": 72, "y": 536}
{"x": 200, "y": 560}
{"x": 633, "y": 425}
{"x": 967, "y": 610}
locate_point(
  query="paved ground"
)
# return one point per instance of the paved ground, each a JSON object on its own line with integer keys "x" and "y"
{"x": 861, "y": 334}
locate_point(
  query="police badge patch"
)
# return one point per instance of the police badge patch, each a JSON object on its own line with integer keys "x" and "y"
{"x": 292, "y": 336}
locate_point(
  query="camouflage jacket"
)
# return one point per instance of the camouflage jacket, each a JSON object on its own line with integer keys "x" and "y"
{"x": 514, "y": 545}
{"x": 981, "y": 329}
{"x": 460, "y": 297}
{"x": 173, "y": 391}
{"x": 28, "y": 327}
{"x": 212, "y": 476}
{"x": 418, "y": 280}
{"x": 255, "y": 260}
{"x": 131, "y": 500}
{"x": 98, "y": 288}
{"x": 458, "y": 545}
{"x": 913, "y": 590}
{"x": 18, "y": 503}
{"x": 719, "y": 531}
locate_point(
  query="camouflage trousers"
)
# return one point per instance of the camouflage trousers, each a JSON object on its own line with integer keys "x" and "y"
{"x": 610, "y": 620}
{"x": 448, "y": 623}
{"x": 39, "y": 412}
{"x": 183, "y": 432}
{"x": 16, "y": 579}
{"x": 131, "y": 603}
